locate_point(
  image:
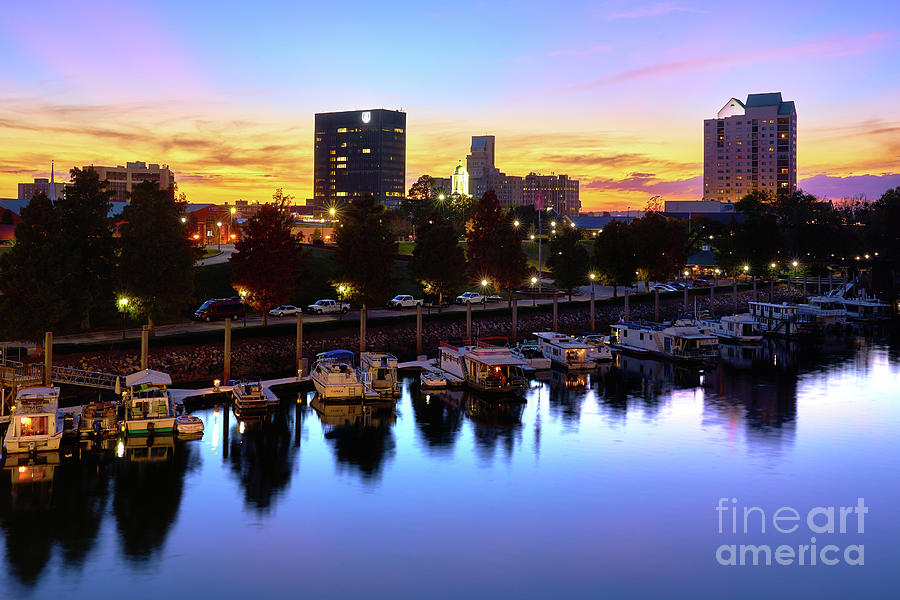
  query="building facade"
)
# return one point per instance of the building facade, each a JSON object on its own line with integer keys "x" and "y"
{"x": 357, "y": 153}
{"x": 750, "y": 146}
{"x": 53, "y": 190}
{"x": 484, "y": 175}
{"x": 556, "y": 192}
{"x": 121, "y": 180}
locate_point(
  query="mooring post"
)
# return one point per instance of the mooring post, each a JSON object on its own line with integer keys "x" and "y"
{"x": 299, "y": 352}
{"x": 418, "y": 330}
{"x": 48, "y": 358}
{"x": 225, "y": 430}
{"x": 734, "y": 293}
{"x": 145, "y": 343}
{"x": 772, "y": 289}
{"x": 712, "y": 300}
{"x": 790, "y": 279}
{"x": 593, "y": 312}
{"x": 754, "y": 288}
{"x": 819, "y": 284}
{"x": 830, "y": 279}
{"x": 515, "y": 319}
{"x": 685, "y": 299}
{"x": 555, "y": 312}
{"x": 227, "y": 374}
{"x": 656, "y": 305}
{"x": 468, "y": 322}
{"x": 362, "y": 329}
{"x": 626, "y": 304}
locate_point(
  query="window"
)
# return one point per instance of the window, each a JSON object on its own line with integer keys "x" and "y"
{"x": 342, "y": 130}
{"x": 341, "y": 194}
{"x": 366, "y": 150}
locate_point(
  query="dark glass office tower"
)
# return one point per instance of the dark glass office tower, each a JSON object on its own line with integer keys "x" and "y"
{"x": 360, "y": 152}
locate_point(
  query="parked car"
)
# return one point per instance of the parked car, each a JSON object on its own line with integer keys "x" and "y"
{"x": 321, "y": 307}
{"x": 677, "y": 285}
{"x": 493, "y": 298}
{"x": 285, "y": 310}
{"x": 220, "y": 308}
{"x": 404, "y": 301}
{"x": 662, "y": 287}
{"x": 701, "y": 283}
{"x": 470, "y": 298}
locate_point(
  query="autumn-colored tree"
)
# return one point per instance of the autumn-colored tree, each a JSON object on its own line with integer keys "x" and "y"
{"x": 568, "y": 260}
{"x": 366, "y": 250}
{"x": 438, "y": 261}
{"x": 268, "y": 259}
{"x": 481, "y": 235}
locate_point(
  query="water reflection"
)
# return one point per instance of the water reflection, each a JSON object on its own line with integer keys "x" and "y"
{"x": 360, "y": 433}
{"x": 437, "y": 423}
{"x": 496, "y": 420}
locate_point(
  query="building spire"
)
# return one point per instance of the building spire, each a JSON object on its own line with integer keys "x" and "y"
{"x": 52, "y": 190}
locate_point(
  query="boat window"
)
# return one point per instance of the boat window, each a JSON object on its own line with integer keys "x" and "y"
{"x": 34, "y": 425}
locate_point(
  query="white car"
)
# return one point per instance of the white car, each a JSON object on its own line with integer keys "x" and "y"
{"x": 404, "y": 301}
{"x": 663, "y": 287}
{"x": 285, "y": 310}
{"x": 320, "y": 307}
{"x": 470, "y": 298}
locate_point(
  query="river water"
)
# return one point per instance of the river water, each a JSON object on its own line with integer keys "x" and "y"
{"x": 605, "y": 485}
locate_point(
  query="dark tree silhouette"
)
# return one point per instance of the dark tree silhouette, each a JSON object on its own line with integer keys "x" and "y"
{"x": 438, "y": 261}
{"x": 614, "y": 254}
{"x": 568, "y": 260}
{"x": 366, "y": 250}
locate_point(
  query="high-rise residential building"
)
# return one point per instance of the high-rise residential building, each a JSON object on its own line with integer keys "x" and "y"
{"x": 749, "y": 146}
{"x": 484, "y": 175}
{"x": 121, "y": 180}
{"x": 553, "y": 191}
{"x": 360, "y": 152}
{"x": 53, "y": 190}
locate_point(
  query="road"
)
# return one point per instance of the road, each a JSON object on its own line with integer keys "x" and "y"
{"x": 224, "y": 256}
{"x": 600, "y": 291}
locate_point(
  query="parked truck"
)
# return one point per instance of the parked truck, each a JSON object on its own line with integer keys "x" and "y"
{"x": 321, "y": 307}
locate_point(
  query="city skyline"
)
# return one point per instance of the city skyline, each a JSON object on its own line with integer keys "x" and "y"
{"x": 619, "y": 104}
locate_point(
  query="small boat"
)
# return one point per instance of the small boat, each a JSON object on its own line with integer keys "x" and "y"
{"x": 148, "y": 407}
{"x": 99, "y": 419}
{"x": 379, "y": 372}
{"x": 36, "y": 424}
{"x": 187, "y": 425}
{"x": 249, "y": 395}
{"x": 678, "y": 341}
{"x": 741, "y": 328}
{"x": 433, "y": 379}
{"x": 599, "y": 346}
{"x": 530, "y": 352}
{"x": 564, "y": 351}
{"x": 484, "y": 367}
{"x": 335, "y": 377}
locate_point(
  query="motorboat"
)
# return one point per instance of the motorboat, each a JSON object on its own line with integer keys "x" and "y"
{"x": 564, "y": 351}
{"x": 148, "y": 407}
{"x": 335, "y": 377}
{"x": 678, "y": 341}
{"x": 599, "y": 346}
{"x": 36, "y": 424}
{"x": 530, "y": 352}
{"x": 99, "y": 419}
{"x": 861, "y": 307}
{"x": 741, "y": 328}
{"x": 187, "y": 425}
{"x": 485, "y": 366}
{"x": 433, "y": 379}
{"x": 249, "y": 394}
{"x": 379, "y": 372}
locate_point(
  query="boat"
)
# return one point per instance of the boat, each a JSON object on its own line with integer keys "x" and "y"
{"x": 564, "y": 350}
{"x": 792, "y": 320}
{"x": 379, "y": 370}
{"x": 484, "y": 367}
{"x": 249, "y": 394}
{"x": 36, "y": 424}
{"x": 148, "y": 407}
{"x": 187, "y": 426}
{"x": 599, "y": 346}
{"x": 859, "y": 308}
{"x": 741, "y": 328}
{"x": 99, "y": 419}
{"x": 433, "y": 379}
{"x": 678, "y": 341}
{"x": 530, "y": 352}
{"x": 336, "y": 378}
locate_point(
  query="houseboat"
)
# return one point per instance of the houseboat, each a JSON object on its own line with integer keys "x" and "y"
{"x": 148, "y": 407}
{"x": 792, "y": 320}
{"x": 380, "y": 372}
{"x": 36, "y": 424}
{"x": 742, "y": 328}
{"x": 677, "y": 342}
{"x": 599, "y": 346}
{"x": 485, "y": 367}
{"x": 530, "y": 352}
{"x": 335, "y": 376}
{"x": 866, "y": 308}
{"x": 565, "y": 351}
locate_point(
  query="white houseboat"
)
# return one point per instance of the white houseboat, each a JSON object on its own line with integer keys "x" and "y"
{"x": 36, "y": 424}
{"x": 336, "y": 378}
{"x": 866, "y": 308}
{"x": 741, "y": 328}
{"x": 148, "y": 407}
{"x": 793, "y": 320}
{"x": 483, "y": 367}
{"x": 678, "y": 342}
{"x": 530, "y": 352}
{"x": 380, "y": 371}
{"x": 565, "y": 351}
{"x": 600, "y": 350}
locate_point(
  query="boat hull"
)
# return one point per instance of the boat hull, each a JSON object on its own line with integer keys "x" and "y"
{"x": 144, "y": 427}
{"x": 33, "y": 444}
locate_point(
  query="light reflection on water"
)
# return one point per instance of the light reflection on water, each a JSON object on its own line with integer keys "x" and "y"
{"x": 601, "y": 484}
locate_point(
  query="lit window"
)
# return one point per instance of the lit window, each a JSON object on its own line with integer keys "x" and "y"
{"x": 367, "y": 151}
{"x": 341, "y": 194}
{"x": 342, "y": 130}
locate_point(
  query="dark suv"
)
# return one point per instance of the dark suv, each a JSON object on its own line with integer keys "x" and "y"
{"x": 220, "y": 308}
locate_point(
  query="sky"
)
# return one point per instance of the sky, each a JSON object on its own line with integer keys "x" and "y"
{"x": 611, "y": 93}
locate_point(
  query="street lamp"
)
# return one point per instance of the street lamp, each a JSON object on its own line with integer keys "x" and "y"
{"x": 219, "y": 225}
{"x": 592, "y": 277}
{"x": 183, "y": 220}
{"x": 484, "y": 284}
{"x": 534, "y": 280}
{"x": 794, "y": 264}
{"x": 516, "y": 223}
{"x": 243, "y": 300}
{"x": 532, "y": 236}
{"x": 123, "y": 302}
{"x": 746, "y": 268}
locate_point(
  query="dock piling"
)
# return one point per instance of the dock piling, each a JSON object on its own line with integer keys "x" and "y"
{"x": 515, "y": 319}
{"x": 227, "y": 374}
{"x": 468, "y": 322}
{"x": 685, "y": 299}
{"x": 48, "y": 358}
{"x": 299, "y": 342}
{"x": 626, "y": 304}
{"x": 754, "y": 288}
{"x": 712, "y": 300}
{"x": 555, "y": 312}
{"x": 362, "y": 329}
{"x": 734, "y": 293}
{"x": 593, "y": 312}
{"x": 656, "y": 305}
{"x": 145, "y": 342}
{"x": 418, "y": 330}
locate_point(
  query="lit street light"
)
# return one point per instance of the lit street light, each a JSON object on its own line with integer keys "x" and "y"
{"x": 484, "y": 284}
{"x": 123, "y": 302}
{"x": 794, "y": 264}
{"x": 219, "y": 236}
{"x": 533, "y": 297}
{"x": 516, "y": 223}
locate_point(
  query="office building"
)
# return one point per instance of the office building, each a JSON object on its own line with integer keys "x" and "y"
{"x": 53, "y": 189}
{"x": 121, "y": 180}
{"x": 750, "y": 146}
{"x": 484, "y": 175}
{"x": 556, "y": 192}
{"x": 357, "y": 153}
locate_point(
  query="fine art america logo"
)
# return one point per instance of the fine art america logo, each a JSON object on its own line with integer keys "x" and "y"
{"x": 825, "y": 534}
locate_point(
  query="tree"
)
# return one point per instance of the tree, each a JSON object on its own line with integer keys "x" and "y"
{"x": 156, "y": 263}
{"x": 87, "y": 243}
{"x": 568, "y": 260}
{"x": 481, "y": 235}
{"x": 366, "y": 250}
{"x": 660, "y": 245}
{"x": 268, "y": 258}
{"x": 438, "y": 261}
{"x": 31, "y": 272}
{"x": 418, "y": 202}
{"x": 614, "y": 254}
{"x": 508, "y": 264}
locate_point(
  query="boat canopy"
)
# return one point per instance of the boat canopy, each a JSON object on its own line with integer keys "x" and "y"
{"x": 38, "y": 391}
{"x": 336, "y": 354}
{"x": 148, "y": 377}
